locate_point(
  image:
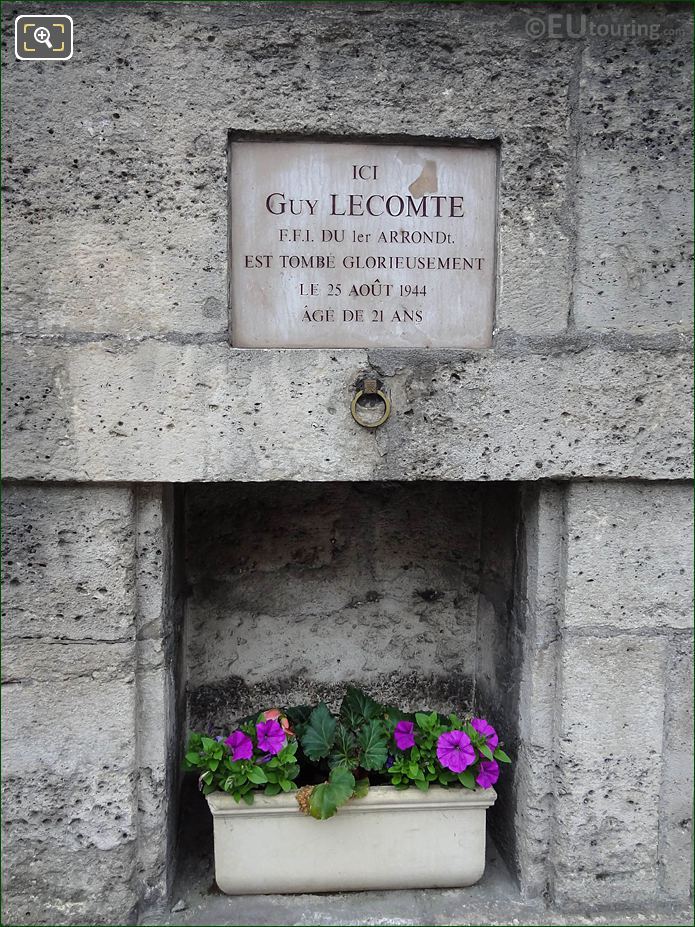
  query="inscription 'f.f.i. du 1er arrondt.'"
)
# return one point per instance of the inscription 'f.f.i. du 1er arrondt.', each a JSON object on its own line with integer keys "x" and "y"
{"x": 356, "y": 245}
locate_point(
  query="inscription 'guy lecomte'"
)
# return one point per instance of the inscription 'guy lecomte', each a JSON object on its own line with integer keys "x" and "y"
{"x": 316, "y": 219}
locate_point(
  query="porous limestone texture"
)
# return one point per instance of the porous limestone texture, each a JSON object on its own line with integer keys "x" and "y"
{"x": 88, "y": 723}
{"x": 296, "y": 588}
{"x": 119, "y": 383}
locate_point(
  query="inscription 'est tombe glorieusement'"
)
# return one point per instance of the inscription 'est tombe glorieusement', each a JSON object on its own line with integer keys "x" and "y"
{"x": 357, "y": 245}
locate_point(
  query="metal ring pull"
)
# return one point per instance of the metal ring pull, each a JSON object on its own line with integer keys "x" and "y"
{"x": 369, "y": 386}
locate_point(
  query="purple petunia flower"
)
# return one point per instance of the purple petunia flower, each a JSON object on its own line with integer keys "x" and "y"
{"x": 389, "y": 761}
{"x": 455, "y": 751}
{"x": 241, "y": 746}
{"x": 404, "y": 736}
{"x": 488, "y": 773}
{"x": 487, "y": 730}
{"x": 271, "y": 737}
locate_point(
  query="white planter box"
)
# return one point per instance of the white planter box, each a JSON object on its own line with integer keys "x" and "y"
{"x": 389, "y": 839}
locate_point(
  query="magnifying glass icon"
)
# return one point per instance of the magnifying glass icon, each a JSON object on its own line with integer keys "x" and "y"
{"x": 43, "y": 35}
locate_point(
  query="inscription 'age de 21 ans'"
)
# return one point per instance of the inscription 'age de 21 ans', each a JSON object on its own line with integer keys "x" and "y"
{"x": 358, "y": 245}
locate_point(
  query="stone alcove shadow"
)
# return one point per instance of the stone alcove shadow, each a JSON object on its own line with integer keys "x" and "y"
{"x": 295, "y": 589}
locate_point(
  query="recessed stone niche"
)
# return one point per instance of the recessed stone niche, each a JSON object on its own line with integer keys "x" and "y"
{"x": 296, "y": 589}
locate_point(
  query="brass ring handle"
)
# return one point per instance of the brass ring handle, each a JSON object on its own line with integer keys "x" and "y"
{"x": 384, "y": 398}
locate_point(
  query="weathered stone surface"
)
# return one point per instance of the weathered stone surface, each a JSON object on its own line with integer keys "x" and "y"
{"x": 630, "y": 556}
{"x": 539, "y": 574}
{"x": 676, "y": 808}
{"x": 69, "y": 812}
{"x": 166, "y": 411}
{"x": 130, "y": 276}
{"x": 67, "y": 563}
{"x": 68, "y": 705}
{"x": 90, "y": 736}
{"x": 127, "y": 198}
{"x": 634, "y": 184}
{"x": 609, "y": 752}
{"x": 298, "y": 589}
{"x": 118, "y": 370}
{"x": 158, "y": 724}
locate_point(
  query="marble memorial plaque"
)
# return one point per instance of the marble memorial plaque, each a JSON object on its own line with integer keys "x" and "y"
{"x": 346, "y": 245}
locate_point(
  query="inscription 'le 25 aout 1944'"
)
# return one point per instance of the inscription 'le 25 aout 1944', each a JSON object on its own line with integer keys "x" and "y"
{"x": 351, "y": 245}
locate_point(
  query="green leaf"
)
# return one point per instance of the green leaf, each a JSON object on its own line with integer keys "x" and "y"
{"x": 329, "y": 796}
{"x": 422, "y": 784}
{"x": 256, "y": 775}
{"x": 467, "y": 779}
{"x": 208, "y": 743}
{"x": 361, "y": 788}
{"x": 373, "y": 742}
{"x": 391, "y": 713}
{"x": 272, "y": 789}
{"x": 425, "y": 722}
{"x": 343, "y": 749}
{"x": 288, "y": 751}
{"x": 299, "y": 718}
{"x": 286, "y": 785}
{"x": 248, "y": 798}
{"x": 486, "y": 751}
{"x": 193, "y": 758}
{"x": 500, "y": 755}
{"x": 320, "y": 733}
{"x": 291, "y": 772}
{"x": 357, "y": 707}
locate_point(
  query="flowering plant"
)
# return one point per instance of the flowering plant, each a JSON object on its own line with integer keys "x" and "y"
{"x": 259, "y": 754}
{"x": 338, "y": 756}
{"x": 430, "y": 749}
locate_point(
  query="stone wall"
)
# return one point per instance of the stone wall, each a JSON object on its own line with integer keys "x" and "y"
{"x": 89, "y": 726}
{"x": 295, "y": 589}
{"x": 117, "y": 373}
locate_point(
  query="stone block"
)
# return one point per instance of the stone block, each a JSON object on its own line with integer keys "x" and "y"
{"x": 166, "y": 412}
{"x": 538, "y": 595}
{"x": 68, "y": 563}
{"x": 676, "y": 812}
{"x": 634, "y": 184}
{"x": 96, "y": 276}
{"x": 629, "y": 555}
{"x": 610, "y": 761}
{"x": 65, "y": 727}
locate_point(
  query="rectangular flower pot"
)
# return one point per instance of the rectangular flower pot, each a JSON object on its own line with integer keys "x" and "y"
{"x": 390, "y": 839}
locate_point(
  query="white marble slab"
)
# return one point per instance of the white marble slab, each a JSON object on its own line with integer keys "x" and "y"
{"x": 362, "y": 245}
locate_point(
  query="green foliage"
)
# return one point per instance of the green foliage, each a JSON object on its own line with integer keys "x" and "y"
{"x": 373, "y": 745}
{"x": 240, "y": 778}
{"x": 329, "y": 796}
{"x": 357, "y": 708}
{"x": 361, "y": 788}
{"x": 357, "y": 739}
{"x": 299, "y": 718}
{"x": 319, "y": 734}
{"x": 345, "y": 750}
{"x": 420, "y": 766}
